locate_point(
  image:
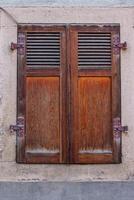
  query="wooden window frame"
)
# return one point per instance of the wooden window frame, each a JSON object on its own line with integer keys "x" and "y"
{"x": 69, "y": 121}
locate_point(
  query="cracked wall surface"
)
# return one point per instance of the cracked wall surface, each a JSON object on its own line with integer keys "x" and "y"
{"x": 8, "y": 83}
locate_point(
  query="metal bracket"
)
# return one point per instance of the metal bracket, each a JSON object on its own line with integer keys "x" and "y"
{"x": 15, "y": 46}
{"x": 118, "y": 128}
{"x": 122, "y": 45}
{"x": 18, "y": 128}
{"x": 20, "y": 46}
{"x": 117, "y": 45}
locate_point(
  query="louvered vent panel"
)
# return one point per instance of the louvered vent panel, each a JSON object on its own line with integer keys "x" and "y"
{"x": 43, "y": 49}
{"x": 94, "y": 49}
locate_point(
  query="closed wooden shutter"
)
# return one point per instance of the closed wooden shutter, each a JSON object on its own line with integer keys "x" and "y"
{"x": 95, "y": 94}
{"x": 41, "y": 99}
{"x": 69, "y": 94}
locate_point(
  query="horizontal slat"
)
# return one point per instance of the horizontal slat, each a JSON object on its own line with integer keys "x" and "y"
{"x": 43, "y": 49}
{"x": 42, "y": 33}
{"x": 94, "y": 39}
{"x": 84, "y": 53}
{"x": 95, "y": 63}
{"x": 93, "y": 56}
{"x": 43, "y": 44}
{"x": 94, "y": 60}
{"x": 38, "y": 37}
{"x": 94, "y": 49}
{"x": 42, "y": 56}
{"x": 42, "y": 53}
{"x": 44, "y": 63}
{"x": 39, "y": 65}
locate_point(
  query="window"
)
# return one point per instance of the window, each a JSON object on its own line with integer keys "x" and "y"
{"x": 69, "y": 93}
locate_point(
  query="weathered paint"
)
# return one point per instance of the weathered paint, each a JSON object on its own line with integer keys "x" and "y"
{"x": 8, "y": 76}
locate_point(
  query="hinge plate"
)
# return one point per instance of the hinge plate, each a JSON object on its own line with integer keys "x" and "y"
{"x": 15, "y": 46}
{"x": 20, "y": 46}
{"x": 117, "y": 45}
{"x": 118, "y": 128}
{"x": 18, "y": 128}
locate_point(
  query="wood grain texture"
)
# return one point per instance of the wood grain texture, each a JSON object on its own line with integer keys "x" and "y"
{"x": 95, "y": 101}
{"x": 21, "y": 101}
{"x": 73, "y": 96}
{"x": 69, "y": 110}
{"x": 95, "y": 123}
{"x": 42, "y": 103}
{"x": 94, "y": 72}
{"x": 116, "y": 97}
{"x": 42, "y": 116}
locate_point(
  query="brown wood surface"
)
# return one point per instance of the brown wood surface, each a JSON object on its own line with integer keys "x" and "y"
{"x": 43, "y": 72}
{"x": 42, "y": 102}
{"x": 69, "y": 110}
{"x": 42, "y": 116}
{"x": 21, "y": 73}
{"x": 94, "y": 72}
{"x": 116, "y": 97}
{"x": 95, "y": 102}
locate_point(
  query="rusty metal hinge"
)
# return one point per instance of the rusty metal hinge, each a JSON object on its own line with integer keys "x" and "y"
{"x": 117, "y": 45}
{"x": 19, "y": 127}
{"x": 20, "y": 46}
{"x": 122, "y": 45}
{"x": 15, "y": 46}
{"x": 118, "y": 128}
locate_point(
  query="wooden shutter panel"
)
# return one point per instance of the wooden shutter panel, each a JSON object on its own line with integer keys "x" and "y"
{"x": 81, "y": 92}
{"x": 95, "y": 94}
{"x": 41, "y": 99}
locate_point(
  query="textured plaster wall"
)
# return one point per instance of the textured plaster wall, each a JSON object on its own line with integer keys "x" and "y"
{"x": 9, "y": 170}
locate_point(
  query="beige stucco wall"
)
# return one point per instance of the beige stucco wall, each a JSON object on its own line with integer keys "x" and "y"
{"x": 9, "y": 170}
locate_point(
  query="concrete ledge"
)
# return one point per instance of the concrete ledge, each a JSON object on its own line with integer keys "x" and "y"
{"x": 66, "y": 191}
